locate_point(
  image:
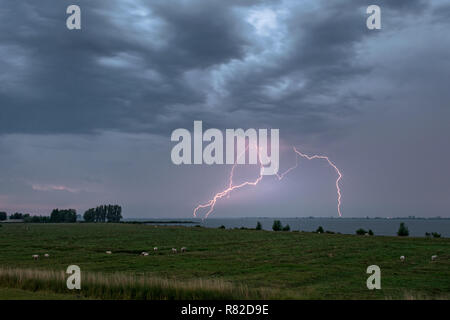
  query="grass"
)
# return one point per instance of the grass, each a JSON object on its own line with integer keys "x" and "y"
{"x": 19, "y": 294}
{"x": 219, "y": 264}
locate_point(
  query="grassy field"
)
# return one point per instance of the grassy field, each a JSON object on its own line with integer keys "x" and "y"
{"x": 219, "y": 264}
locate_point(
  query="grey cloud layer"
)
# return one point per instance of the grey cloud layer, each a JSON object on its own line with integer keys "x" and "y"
{"x": 146, "y": 66}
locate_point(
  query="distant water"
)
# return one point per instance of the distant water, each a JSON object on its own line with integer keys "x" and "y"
{"x": 385, "y": 227}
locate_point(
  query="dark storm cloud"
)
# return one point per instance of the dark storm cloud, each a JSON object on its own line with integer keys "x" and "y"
{"x": 128, "y": 69}
{"x": 115, "y": 71}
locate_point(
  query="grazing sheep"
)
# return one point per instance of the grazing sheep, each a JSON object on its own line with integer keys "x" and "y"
{"x": 433, "y": 258}
{"x": 35, "y": 256}
{"x": 402, "y": 258}
{"x": 144, "y": 254}
{"x": 183, "y": 249}
{"x": 155, "y": 249}
{"x": 108, "y": 252}
{"x": 174, "y": 250}
{"x": 46, "y": 255}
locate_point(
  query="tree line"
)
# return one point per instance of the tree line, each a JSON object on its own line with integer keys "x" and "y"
{"x": 103, "y": 213}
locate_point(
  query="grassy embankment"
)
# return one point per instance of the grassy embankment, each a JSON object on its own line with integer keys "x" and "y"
{"x": 219, "y": 264}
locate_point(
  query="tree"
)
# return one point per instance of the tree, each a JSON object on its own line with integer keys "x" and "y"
{"x": 3, "y": 216}
{"x": 64, "y": 215}
{"x": 89, "y": 215}
{"x": 19, "y": 216}
{"x": 277, "y": 226}
{"x": 361, "y": 232}
{"x": 258, "y": 226}
{"x": 319, "y": 230}
{"x": 403, "y": 230}
{"x": 114, "y": 213}
{"x": 286, "y": 228}
{"x": 103, "y": 213}
{"x": 370, "y": 232}
{"x": 436, "y": 235}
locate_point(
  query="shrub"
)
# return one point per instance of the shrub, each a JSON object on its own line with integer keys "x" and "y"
{"x": 371, "y": 232}
{"x": 403, "y": 230}
{"x": 258, "y": 226}
{"x": 37, "y": 219}
{"x": 277, "y": 226}
{"x": 427, "y": 234}
{"x": 361, "y": 232}
{"x": 319, "y": 229}
{"x": 286, "y": 228}
{"x": 436, "y": 235}
{"x": 3, "y": 216}
{"x": 222, "y": 227}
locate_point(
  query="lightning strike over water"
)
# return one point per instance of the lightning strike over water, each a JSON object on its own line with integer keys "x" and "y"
{"x": 226, "y": 193}
{"x": 338, "y": 189}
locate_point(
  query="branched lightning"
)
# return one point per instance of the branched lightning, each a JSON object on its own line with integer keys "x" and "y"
{"x": 211, "y": 203}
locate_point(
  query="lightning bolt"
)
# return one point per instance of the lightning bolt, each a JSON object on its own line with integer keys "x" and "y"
{"x": 338, "y": 189}
{"x": 226, "y": 193}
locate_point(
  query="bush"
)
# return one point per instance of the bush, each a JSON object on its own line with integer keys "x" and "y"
{"x": 222, "y": 227}
{"x": 287, "y": 228}
{"x": 403, "y": 230}
{"x": 436, "y": 235}
{"x": 361, "y": 232}
{"x": 3, "y": 216}
{"x": 319, "y": 230}
{"x": 427, "y": 234}
{"x": 37, "y": 219}
{"x": 258, "y": 226}
{"x": 371, "y": 232}
{"x": 277, "y": 226}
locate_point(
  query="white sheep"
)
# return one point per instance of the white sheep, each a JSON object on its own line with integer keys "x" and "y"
{"x": 35, "y": 256}
{"x": 46, "y": 255}
{"x": 144, "y": 254}
{"x": 402, "y": 258}
{"x": 155, "y": 249}
{"x": 108, "y": 252}
{"x": 183, "y": 249}
{"x": 174, "y": 250}
{"x": 433, "y": 257}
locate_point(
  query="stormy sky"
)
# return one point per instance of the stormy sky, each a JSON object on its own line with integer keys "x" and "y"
{"x": 86, "y": 115}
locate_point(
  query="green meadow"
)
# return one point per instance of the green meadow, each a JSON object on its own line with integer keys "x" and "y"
{"x": 218, "y": 263}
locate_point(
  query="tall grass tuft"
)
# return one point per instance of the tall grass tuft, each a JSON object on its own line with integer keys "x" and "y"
{"x": 124, "y": 286}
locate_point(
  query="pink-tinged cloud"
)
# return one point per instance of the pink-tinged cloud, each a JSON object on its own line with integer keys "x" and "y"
{"x": 50, "y": 187}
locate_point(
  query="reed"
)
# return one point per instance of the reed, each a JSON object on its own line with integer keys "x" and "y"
{"x": 125, "y": 286}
